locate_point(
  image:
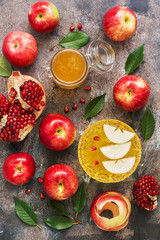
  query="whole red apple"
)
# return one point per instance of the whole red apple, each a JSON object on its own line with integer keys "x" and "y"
{"x": 20, "y": 48}
{"x": 119, "y": 23}
{"x": 60, "y": 181}
{"x": 57, "y": 132}
{"x": 43, "y": 16}
{"x": 19, "y": 168}
{"x": 117, "y": 204}
{"x": 131, "y": 93}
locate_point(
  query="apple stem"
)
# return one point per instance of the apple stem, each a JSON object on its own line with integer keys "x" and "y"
{"x": 143, "y": 143}
{"x": 38, "y": 226}
{"x": 53, "y": 46}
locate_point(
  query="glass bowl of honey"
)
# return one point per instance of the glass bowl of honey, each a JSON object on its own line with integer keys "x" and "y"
{"x": 109, "y": 151}
{"x": 70, "y": 67}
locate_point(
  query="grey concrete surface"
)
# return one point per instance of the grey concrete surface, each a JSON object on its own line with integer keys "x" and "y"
{"x": 143, "y": 225}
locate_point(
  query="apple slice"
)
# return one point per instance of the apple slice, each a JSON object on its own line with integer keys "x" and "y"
{"x": 117, "y": 136}
{"x": 121, "y": 166}
{"x": 116, "y": 151}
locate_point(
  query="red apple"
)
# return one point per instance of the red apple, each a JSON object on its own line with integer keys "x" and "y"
{"x": 115, "y": 202}
{"x": 19, "y": 168}
{"x": 131, "y": 93}
{"x": 57, "y": 132}
{"x": 119, "y": 23}
{"x": 60, "y": 181}
{"x": 43, "y": 16}
{"x": 20, "y": 48}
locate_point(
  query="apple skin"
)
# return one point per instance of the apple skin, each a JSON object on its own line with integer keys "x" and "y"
{"x": 131, "y": 93}
{"x": 20, "y": 48}
{"x": 60, "y": 181}
{"x": 43, "y": 16}
{"x": 119, "y": 23}
{"x": 120, "y": 217}
{"x": 57, "y": 132}
{"x": 19, "y": 168}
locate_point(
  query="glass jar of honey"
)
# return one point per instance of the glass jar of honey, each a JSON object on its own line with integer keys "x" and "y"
{"x": 70, "y": 67}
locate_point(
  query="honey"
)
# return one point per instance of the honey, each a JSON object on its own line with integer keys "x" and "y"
{"x": 91, "y": 157}
{"x": 69, "y": 66}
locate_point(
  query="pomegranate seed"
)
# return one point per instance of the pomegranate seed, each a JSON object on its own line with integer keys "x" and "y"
{"x": 28, "y": 191}
{"x": 66, "y": 109}
{"x": 82, "y": 100}
{"x": 42, "y": 196}
{"x": 87, "y": 88}
{"x": 74, "y": 107}
{"x": 79, "y": 26}
{"x": 93, "y": 148}
{"x": 39, "y": 179}
{"x": 97, "y": 138}
{"x": 95, "y": 163}
{"x": 72, "y": 28}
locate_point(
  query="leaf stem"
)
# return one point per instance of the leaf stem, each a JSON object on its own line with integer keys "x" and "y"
{"x": 143, "y": 143}
{"x": 38, "y": 226}
{"x": 74, "y": 219}
{"x": 76, "y": 215}
{"x": 53, "y": 46}
{"x": 75, "y": 223}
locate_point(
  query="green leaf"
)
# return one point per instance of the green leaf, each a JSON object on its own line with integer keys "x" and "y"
{"x": 74, "y": 40}
{"x": 148, "y": 124}
{"x": 134, "y": 59}
{"x": 25, "y": 212}
{"x": 58, "y": 222}
{"x": 59, "y": 207}
{"x": 79, "y": 199}
{"x": 5, "y": 67}
{"x": 94, "y": 106}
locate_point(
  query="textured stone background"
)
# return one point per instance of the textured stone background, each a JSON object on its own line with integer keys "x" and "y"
{"x": 143, "y": 225}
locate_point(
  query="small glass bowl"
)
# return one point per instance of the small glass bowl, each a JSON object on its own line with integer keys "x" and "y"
{"x": 100, "y": 57}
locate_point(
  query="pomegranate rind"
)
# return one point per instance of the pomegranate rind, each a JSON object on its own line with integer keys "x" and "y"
{"x": 98, "y": 206}
{"x": 15, "y": 81}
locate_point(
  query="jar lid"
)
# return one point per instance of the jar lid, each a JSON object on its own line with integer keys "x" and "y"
{"x": 100, "y": 56}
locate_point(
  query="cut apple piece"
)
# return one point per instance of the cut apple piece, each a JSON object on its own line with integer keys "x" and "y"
{"x": 116, "y": 151}
{"x": 117, "y": 136}
{"x": 115, "y": 202}
{"x": 119, "y": 166}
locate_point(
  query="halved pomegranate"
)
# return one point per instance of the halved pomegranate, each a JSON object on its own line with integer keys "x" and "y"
{"x": 26, "y": 102}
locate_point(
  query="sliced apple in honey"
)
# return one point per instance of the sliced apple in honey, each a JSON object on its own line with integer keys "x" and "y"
{"x": 119, "y": 166}
{"x": 117, "y": 136}
{"x": 116, "y": 151}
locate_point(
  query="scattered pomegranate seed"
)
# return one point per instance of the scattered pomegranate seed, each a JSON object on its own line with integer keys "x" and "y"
{"x": 42, "y": 196}
{"x": 39, "y": 179}
{"x": 66, "y": 109}
{"x": 93, "y": 148}
{"x": 145, "y": 192}
{"x": 28, "y": 191}
{"x": 74, "y": 107}
{"x": 82, "y": 100}
{"x": 72, "y": 28}
{"x": 79, "y": 26}
{"x": 87, "y": 88}
{"x": 97, "y": 138}
{"x": 95, "y": 163}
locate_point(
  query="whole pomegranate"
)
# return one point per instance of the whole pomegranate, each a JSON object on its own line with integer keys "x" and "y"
{"x": 26, "y": 102}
